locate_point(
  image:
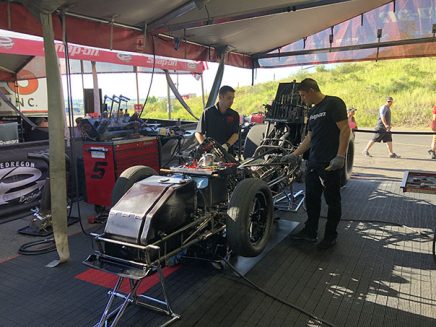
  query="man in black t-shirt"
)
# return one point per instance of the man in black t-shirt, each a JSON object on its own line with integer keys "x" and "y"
{"x": 327, "y": 139}
{"x": 220, "y": 122}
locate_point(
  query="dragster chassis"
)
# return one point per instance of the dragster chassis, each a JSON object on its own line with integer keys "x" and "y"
{"x": 217, "y": 220}
{"x": 212, "y": 207}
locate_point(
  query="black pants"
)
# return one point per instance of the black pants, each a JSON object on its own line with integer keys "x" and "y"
{"x": 319, "y": 181}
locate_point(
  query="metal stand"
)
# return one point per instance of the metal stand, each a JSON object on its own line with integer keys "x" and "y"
{"x": 288, "y": 201}
{"x": 132, "y": 297}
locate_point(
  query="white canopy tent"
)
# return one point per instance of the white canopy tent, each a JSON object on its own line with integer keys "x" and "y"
{"x": 233, "y": 32}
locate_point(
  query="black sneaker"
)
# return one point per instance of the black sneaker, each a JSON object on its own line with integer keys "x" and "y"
{"x": 394, "y": 155}
{"x": 302, "y": 235}
{"x": 326, "y": 243}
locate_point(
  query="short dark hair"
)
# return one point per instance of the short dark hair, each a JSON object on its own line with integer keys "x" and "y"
{"x": 307, "y": 84}
{"x": 225, "y": 89}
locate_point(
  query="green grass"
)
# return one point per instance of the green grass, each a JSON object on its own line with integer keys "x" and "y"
{"x": 365, "y": 85}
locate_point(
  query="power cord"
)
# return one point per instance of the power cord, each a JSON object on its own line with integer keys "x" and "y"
{"x": 26, "y": 249}
{"x": 269, "y": 294}
{"x": 176, "y": 150}
{"x": 151, "y": 79}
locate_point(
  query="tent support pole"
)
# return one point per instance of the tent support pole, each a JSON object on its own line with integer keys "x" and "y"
{"x": 216, "y": 84}
{"x": 202, "y": 89}
{"x": 9, "y": 14}
{"x": 169, "y": 101}
{"x": 96, "y": 90}
{"x": 81, "y": 75}
{"x": 56, "y": 109}
{"x": 177, "y": 94}
{"x": 137, "y": 84}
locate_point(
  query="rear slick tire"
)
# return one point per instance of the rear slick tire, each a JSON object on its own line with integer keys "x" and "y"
{"x": 129, "y": 177}
{"x": 250, "y": 217}
{"x": 349, "y": 161}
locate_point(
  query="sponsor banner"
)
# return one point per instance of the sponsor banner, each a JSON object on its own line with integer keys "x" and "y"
{"x": 98, "y": 35}
{"x": 32, "y": 97}
{"x": 8, "y": 133}
{"x": 21, "y": 179}
{"x": 13, "y": 45}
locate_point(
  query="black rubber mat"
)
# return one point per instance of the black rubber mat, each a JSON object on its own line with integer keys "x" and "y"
{"x": 33, "y": 230}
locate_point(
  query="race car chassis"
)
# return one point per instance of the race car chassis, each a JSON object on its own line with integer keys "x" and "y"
{"x": 153, "y": 257}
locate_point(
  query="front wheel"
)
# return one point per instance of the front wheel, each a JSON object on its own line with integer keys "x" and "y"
{"x": 249, "y": 219}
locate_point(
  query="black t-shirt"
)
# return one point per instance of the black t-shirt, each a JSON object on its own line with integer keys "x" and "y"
{"x": 218, "y": 126}
{"x": 325, "y": 133}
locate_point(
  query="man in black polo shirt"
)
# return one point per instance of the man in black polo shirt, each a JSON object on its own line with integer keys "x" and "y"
{"x": 327, "y": 139}
{"x": 220, "y": 122}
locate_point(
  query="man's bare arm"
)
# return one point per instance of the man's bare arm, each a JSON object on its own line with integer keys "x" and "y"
{"x": 304, "y": 146}
{"x": 200, "y": 137}
{"x": 232, "y": 140}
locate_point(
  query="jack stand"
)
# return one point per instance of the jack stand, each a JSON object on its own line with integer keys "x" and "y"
{"x": 133, "y": 297}
{"x": 41, "y": 224}
{"x": 288, "y": 200}
{"x": 41, "y": 221}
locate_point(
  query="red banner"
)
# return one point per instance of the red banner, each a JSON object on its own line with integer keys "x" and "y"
{"x": 12, "y": 45}
{"x": 98, "y": 35}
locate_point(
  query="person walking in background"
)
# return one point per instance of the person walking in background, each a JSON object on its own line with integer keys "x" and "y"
{"x": 432, "y": 150}
{"x": 383, "y": 129}
{"x": 351, "y": 120}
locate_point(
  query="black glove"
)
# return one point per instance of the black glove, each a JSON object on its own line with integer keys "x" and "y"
{"x": 290, "y": 159}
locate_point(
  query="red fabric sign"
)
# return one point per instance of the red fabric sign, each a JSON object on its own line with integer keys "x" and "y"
{"x": 12, "y": 45}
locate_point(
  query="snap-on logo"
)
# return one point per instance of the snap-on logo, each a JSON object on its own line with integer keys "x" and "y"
{"x": 6, "y": 42}
{"x": 124, "y": 57}
{"x": 74, "y": 50}
{"x": 321, "y": 114}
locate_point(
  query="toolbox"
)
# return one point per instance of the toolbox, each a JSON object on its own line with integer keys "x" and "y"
{"x": 105, "y": 161}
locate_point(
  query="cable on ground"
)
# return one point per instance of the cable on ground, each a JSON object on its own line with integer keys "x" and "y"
{"x": 27, "y": 248}
{"x": 274, "y": 297}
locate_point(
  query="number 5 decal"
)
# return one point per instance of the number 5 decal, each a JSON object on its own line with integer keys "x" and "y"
{"x": 99, "y": 170}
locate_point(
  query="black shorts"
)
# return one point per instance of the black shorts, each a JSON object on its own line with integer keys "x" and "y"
{"x": 382, "y": 136}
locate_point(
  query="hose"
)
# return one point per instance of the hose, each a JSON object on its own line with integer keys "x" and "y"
{"x": 151, "y": 79}
{"x": 25, "y": 249}
{"x": 269, "y": 294}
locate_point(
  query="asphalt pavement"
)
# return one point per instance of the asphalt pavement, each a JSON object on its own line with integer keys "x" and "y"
{"x": 412, "y": 150}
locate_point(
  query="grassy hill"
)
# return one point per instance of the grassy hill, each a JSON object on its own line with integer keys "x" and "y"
{"x": 365, "y": 85}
